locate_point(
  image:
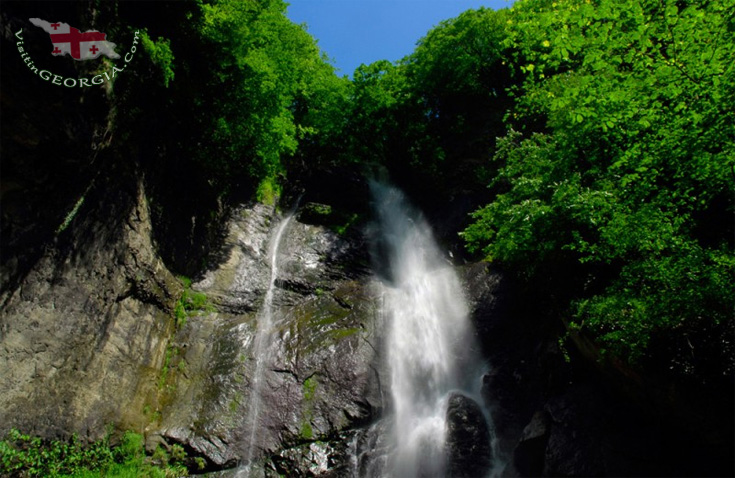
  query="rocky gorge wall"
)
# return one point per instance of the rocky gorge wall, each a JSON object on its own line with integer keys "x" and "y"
{"x": 91, "y": 338}
{"x": 322, "y": 376}
{"x": 85, "y": 331}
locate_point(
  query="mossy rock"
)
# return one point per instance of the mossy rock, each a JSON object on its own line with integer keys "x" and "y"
{"x": 337, "y": 220}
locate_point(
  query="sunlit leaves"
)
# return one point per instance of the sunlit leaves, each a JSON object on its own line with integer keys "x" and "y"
{"x": 634, "y": 177}
{"x": 161, "y": 56}
{"x": 268, "y": 85}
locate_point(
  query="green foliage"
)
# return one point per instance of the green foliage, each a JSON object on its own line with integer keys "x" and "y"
{"x": 628, "y": 180}
{"x": 190, "y": 303}
{"x": 306, "y": 432}
{"x": 267, "y": 76}
{"x": 459, "y": 77}
{"x": 174, "y": 457}
{"x": 348, "y": 221}
{"x": 268, "y": 191}
{"x": 180, "y": 314}
{"x": 30, "y": 456}
{"x": 70, "y": 216}
{"x": 337, "y": 220}
{"x": 318, "y": 209}
{"x": 372, "y": 122}
{"x": 429, "y": 116}
{"x": 249, "y": 88}
{"x": 160, "y": 54}
{"x": 26, "y": 456}
{"x": 131, "y": 446}
{"x": 185, "y": 281}
{"x": 310, "y": 385}
{"x": 173, "y": 361}
{"x": 197, "y": 301}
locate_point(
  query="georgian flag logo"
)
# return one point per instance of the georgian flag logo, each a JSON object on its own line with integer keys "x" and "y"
{"x": 81, "y": 46}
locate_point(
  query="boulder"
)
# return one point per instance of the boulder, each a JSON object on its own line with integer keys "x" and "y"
{"x": 528, "y": 456}
{"x": 468, "y": 449}
{"x": 323, "y": 459}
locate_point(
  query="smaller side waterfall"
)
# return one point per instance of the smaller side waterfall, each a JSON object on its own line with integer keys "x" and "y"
{"x": 261, "y": 347}
{"x": 430, "y": 344}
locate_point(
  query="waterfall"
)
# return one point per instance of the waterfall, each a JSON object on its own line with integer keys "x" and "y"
{"x": 430, "y": 349}
{"x": 261, "y": 347}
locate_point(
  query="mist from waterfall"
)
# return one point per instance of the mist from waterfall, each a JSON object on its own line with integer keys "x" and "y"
{"x": 430, "y": 346}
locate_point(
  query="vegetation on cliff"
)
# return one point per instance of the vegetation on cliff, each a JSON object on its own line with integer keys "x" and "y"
{"x": 25, "y": 456}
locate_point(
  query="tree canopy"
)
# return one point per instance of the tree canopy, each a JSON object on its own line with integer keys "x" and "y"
{"x": 604, "y": 130}
{"x": 619, "y": 166}
{"x": 243, "y": 83}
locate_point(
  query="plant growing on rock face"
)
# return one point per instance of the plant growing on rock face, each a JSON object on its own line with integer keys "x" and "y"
{"x": 70, "y": 215}
{"x": 306, "y": 432}
{"x": 175, "y": 456}
{"x": 190, "y": 303}
{"x": 173, "y": 361}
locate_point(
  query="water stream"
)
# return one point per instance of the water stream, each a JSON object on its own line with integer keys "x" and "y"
{"x": 261, "y": 347}
{"x": 430, "y": 345}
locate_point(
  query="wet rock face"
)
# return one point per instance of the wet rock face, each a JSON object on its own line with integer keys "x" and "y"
{"x": 467, "y": 439}
{"x": 317, "y": 458}
{"x": 321, "y": 369}
{"x": 239, "y": 278}
{"x": 371, "y": 447}
{"x": 88, "y": 339}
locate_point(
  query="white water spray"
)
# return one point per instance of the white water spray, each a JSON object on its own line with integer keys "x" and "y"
{"x": 429, "y": 344}
{"x": 261, "y": 348}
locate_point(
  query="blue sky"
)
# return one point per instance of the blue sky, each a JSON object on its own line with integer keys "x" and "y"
{"x": 352, "y": 32}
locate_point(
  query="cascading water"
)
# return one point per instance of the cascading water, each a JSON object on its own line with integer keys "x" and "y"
{"x": 261, "y": 347}
{"x": 430, "y": 349}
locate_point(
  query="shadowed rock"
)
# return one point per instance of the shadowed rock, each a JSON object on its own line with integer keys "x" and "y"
{"x": 468, "y": 439}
